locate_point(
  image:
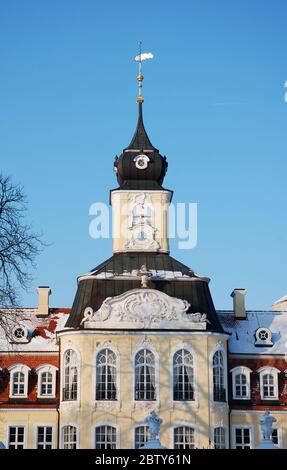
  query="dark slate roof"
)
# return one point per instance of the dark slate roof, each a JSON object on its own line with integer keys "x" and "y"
{"x": 108, "y": 280}
{"x": 129, "y": 176}
{"x": 121, "y": 263}
{"x": 140, "y": 138}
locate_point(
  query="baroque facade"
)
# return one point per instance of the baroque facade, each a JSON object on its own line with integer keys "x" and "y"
{"x": 142, "y": 335}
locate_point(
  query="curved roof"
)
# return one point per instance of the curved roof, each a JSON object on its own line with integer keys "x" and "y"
{"x": 132, "y": 176}
{"x": 119, "y": 274}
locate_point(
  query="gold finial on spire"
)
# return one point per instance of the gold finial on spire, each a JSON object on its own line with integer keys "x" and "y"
{"x": 139, "y": 58}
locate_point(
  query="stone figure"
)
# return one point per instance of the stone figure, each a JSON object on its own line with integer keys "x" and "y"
{"x": 145, "y": 275}
{"x": 266, "y": 423}
{"x": 154, "y": 422}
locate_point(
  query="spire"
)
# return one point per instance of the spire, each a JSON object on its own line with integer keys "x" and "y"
{"x": 140, "y": 77}
{"x": 140, "y": 140}
{"x": 140, "y": 166}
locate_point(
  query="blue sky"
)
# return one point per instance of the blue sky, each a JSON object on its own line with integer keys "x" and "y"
{"x": 214, "y": 105}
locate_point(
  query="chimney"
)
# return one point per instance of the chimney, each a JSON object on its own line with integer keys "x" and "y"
{"x": 43, "y": 301}
{"x": 239, "y": 303}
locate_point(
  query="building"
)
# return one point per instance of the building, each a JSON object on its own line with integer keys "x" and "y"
{"x": 142, "y": 334}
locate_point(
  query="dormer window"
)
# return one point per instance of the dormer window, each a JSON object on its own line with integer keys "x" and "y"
{"x": 268, "y": 383}
{"x": 20, "y": 334}
{"x": 46, "y": 381}
{"x": 263, "y": 337}
{"x": 19, "y": 381}
{"x": 241, "y": 383}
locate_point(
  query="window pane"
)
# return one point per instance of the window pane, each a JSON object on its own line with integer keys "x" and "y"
{"x": 106, "y": 388}
{"x": 44, "y": 437}
{"x": 141, "y": 436}
{"x": 46, "y": 383}
{"x": 219, "y": 392}
{"x": 16, "y": 437}
{"x": 184, "y": 438}
{"x": 105, "y": 437}
{"x": 145, "y": 375}
{"x": 70, "y": 391}
{"x": 240, "y": 386}
{"x": 183, "y": 376}
{"x": 242, "y": 438}
{"x": 70, "y": 437}
{"x": 18, "y": 383}
{"x": 219, "y": 438}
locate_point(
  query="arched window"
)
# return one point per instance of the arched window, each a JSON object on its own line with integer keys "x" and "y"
{"x": 141, "y": 436}
{"x": 105, "y": 437}
{"x": 268, "y": 383}
{"x": 183, "y": 438}
{"x": 46, "y": 381}
{"x": 219, "y": 438}
{"x": 219, "y": 392}
{"x": 241, "y": 382}
{"x": 145, "y": 388}
{"x": 70, "y": 390}
{"x": 183, "y": 376}
{"x": 106, "y": 376}
{"x": 19, "y": 374}
{"x": 69, "y": 437}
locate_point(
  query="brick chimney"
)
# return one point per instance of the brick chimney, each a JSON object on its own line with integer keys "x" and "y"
{"x": 43, "y": 301}
{"x": 238, "y": 296}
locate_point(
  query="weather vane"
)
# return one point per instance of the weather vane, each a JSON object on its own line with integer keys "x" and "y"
{"x": 139, "y": 58}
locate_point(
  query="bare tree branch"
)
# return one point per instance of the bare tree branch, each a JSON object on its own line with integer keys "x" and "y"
{"x": 19, "y": 247}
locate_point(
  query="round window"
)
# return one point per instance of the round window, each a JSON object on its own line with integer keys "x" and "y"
{"x": 263, "y": 334}
{"x": 20, "y": 334}
{"x": 263, "y": 337}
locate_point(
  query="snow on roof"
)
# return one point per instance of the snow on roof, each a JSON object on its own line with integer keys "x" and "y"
{"x": 242, "y": 340}
{"x": 281, "y": 300}
{"x": 156, "y": 274}
{"x": 42, "y": 330}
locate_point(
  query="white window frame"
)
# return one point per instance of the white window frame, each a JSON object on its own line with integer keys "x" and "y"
{"x": 42, "y": 369}
{"x": 45, "y": 425}
{"x": 107, "y": 345}
{"x": 138, "y": 425}
{"x": 63, "y": 402}
{"x": 190, "y": 349}
{"x": 223, "y": 426}
{"x": 244, "y": 371}
{"x": 17, "y": 425}
{"x": 270, "y": 371}
{"x": 24, "y": 369}
{"x": 218, "y": 347}
{"x": 77, "y": 434}
{"x": 140, "y": 403}
{"x": 242, "y": 426}
{"x": 106, "y": 423}
{"x": 186, "y": 425}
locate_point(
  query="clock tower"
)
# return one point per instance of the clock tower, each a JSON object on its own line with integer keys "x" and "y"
{"x": 140, "y": 203}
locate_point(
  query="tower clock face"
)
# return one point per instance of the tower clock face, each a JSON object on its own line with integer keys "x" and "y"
{"x": 141, "y": 161}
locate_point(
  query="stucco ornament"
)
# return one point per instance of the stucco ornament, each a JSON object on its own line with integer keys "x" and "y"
{"x": 266, "y": 423}
{"x": 144, "y": 308}
{"x": 142, "y": 232}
